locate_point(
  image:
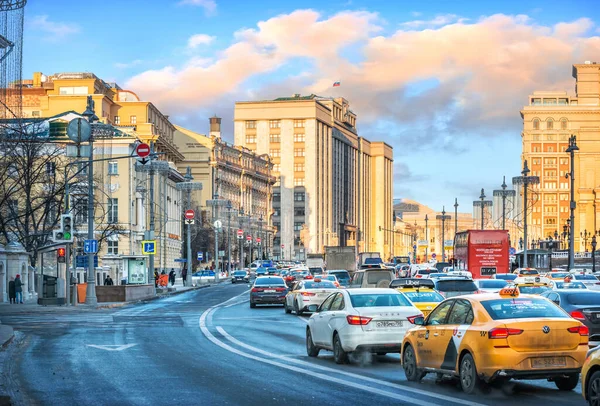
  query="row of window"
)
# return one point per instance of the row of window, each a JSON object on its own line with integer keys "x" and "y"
{"x": 276, "y": 152}
{"x": 132, "y": 120}
{"x": 549, "y": 148}
{"x": 537, "y": 101}
{"x": 550, "y": 124}
{"x": 251, "y": 124}
{"x": 550, "y": 161}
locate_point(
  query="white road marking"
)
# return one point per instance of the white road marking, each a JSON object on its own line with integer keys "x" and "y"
{"x": 349, "y": 374}
{"x": 112, "y": 347}
{"x": 212, "y": 338}
{"x": 303, "y": 319}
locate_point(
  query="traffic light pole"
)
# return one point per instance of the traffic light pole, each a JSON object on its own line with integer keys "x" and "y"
{"x": 90, "y": 295}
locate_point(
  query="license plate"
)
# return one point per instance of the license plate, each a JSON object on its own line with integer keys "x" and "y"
{"x": 387, "y": 324}
{"x": 270, "y": 291}
{"x": 597, "y": 315}
{"x": 548, "y": 362}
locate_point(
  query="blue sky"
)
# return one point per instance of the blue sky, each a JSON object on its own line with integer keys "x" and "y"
{"x": 441, "y": 81}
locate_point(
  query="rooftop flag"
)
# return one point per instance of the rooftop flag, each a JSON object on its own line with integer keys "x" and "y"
{"x": 336, "y": 84}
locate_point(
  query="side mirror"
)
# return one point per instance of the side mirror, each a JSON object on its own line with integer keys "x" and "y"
{"x": 419, "y": 321}
{"x": 313, "y": 308}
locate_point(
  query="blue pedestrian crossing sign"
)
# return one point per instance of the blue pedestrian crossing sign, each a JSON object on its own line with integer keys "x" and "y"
{"x": 149, "y": 247}
{"x": 90, "y": 246}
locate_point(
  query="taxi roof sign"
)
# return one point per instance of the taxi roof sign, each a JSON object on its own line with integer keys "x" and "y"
{"x": 537, "y": 280}
{"x": 509, "y": 292}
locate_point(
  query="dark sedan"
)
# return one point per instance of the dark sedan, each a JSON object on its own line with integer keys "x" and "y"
{"x": 268, "y": 290}
{"x": 582, "y": 305}
{"x": 240, "y": 276}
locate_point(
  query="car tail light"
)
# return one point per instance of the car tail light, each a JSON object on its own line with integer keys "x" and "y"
{"x": 411, "y": 319}
{"x": 582, "y": 330}
{"x": 418, "y": 276}
{"x": 280, "y": 289}
{"x": 307, "y": 294}
{"x": 257, "y": 289}
{"x": 358, "y": 320}
{"x": 503, "y": 332}
{"x": 578, "y": 315}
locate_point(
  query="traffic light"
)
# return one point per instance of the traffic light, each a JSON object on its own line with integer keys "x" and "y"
{"x": 65, "y": 233}
{"x": 61, "y": 254}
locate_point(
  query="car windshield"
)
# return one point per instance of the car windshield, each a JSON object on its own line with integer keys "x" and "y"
{"x": 270, "y": 281}
{"x": 378, "y": 300}
{"x": 506, "y": 276}
{"x": 558, "y": 274}
{"x": 319, "y": 285}
{"x": 502, "y": 309}
{"x": 583, "y": 298}
{"x": 456, "y": 286}
{"x": 239, "y": 273}
{"x": 586, "y": 278}
{"x": 375, "y": 277}
{"x": 528, "y": 272}
{"x": 331, "y": 278}
{"x": 371, "y": 261}
{"x": 427, "y": 271}
{"x": 571, "y": 285}
{"x": 342, "y": 275}
{"x": 533, "y": 290}
{"x": 272, "y": 269}
{"x": 492, "y": 284}
{"x": 421, "y": 297}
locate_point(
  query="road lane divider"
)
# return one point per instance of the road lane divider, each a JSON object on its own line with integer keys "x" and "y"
{"x": 348, "y": 374}
{"x": 203, "y": 327}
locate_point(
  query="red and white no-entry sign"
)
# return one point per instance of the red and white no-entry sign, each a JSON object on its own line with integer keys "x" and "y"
{"x": 240, "y": 233}
{"x": 248, "y": 237}
{"x": 282, "y": 246}
{"x": 189, "y": 214}
{"x": 258, "y": 240}
{"x": 143, "y": 150}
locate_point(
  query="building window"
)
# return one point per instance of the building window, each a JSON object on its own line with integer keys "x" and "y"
{"x": 298, "y": 123}
{"x": 251, "y": 124}
{"x": 535, "y": 149}
{"x": 299, "y": 211}
{"x": 298, "y": 226}
{"x": 536, "y": 101}
{"x": 36, "y": 113}
{"x": 550, "y": 149}
{"x": 276, "y": 167}
{"x": 299, "y": 196}
{"x": 536, "y": 123}
{"x": 274, "y": 123}
{"x": 275, "y": 138}
{"x": 298, "y": 137}
{"x": 113, "y": 247}
{"x": 276, "y": 212}
{"x": 299, "y": 152}
{"x": 117, "y": 120}
{"x": 251, "y": 139}
{"x": 276, "y": 197}
{"x": 298, "y": 167}
{"x": 81, "y": 210}
{"x": 564, "y": 161}
{"x": 50, "y": 168}
{"x": 133, "y": 119}
{"x": 549, "y": 124}
{"x": 82, "y": 168}
{"x": 275, "y": 153}
{"x": 563, "y": 124}
{"x": 113, "y": 210}
{"x": 276, "y": 224}
{"x": 298, "y": 181}
{"x": 80, "y": 90}
{"x": 113, "y": 168}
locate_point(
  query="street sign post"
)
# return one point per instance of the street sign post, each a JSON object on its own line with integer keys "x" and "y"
{"x": 142, "y": 151}
{"x": 248, "y": 238}
{"x": 90, "y": 246}
{"x": 188, "y": 221}
{"x": 240, "y": 234}
{"x": 258, "y": 240}
{"x": 189, "y": 214}
{"x": 200, "y": 256}
{"x": 149, "y": 247}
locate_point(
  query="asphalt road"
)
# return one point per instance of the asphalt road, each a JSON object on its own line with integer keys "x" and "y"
{"x": 208, "y": 347}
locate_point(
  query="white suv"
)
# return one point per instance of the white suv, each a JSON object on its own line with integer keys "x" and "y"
{"x": 372, "y": 320}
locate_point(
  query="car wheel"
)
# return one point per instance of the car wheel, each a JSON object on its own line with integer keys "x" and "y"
{"x": 286, "y": 308}
{"x": 409, "y": 363}
{"x": 339, "y": 355}
{"x": 311, "y": 349}
{"x": 252, "y": 305}
{"x": 468, "y": 374}
{"x": 296, "y": 308}
{"x": 568, "y": 383}
{"x": 593, "y": 389}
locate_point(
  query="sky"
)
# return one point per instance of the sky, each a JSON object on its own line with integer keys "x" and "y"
{"x": 441, "y": 81}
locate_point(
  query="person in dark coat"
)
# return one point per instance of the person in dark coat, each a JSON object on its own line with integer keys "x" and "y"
{"x": 19, "y": 289}
{"x": 184, "y": 275}
{"x": 172, "y": 276}
{"x": 155, "y": 279}
{"x": 12, "y": 294}
{"x": 108, "y": 281}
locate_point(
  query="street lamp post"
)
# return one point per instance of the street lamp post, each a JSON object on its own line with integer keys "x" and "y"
{"x": 229, "y": 237}
{"x": 188, "y": 185}
{"x": 526, "y": 180}
{"x": 426, "y": 238}
{"x": 504, "y": 194}
{"x": 482, "y": 203}
{"x": 455, "y": 229}
{"x": 593, "y": 254}
{"x": 443, "y": 217}
{"x": 573, "y": 205}
{"x": 585, "y": 235}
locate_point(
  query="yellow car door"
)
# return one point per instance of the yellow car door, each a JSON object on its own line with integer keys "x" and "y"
{"x": 458, "y": 322}
{"x": 429, "y": 347}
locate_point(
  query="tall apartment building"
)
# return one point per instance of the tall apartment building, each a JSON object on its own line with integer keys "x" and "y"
{"x": 332, "y": 187}
{"x": 549, "y": 119}
{"x": 122, "y": 192}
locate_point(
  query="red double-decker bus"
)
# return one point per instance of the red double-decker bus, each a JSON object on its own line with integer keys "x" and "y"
{"x": 482, "y": 252}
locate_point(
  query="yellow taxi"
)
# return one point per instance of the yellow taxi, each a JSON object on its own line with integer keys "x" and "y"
{"x": 526, "y": 272}
{"x": 421, "y": 292}
{"x": 483, "y": 338}
{"x": 533, "y": 285}
{"x": 590, "y": 377}
{"x": 557, "y": 275}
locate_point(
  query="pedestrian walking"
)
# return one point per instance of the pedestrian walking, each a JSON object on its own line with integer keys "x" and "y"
{"x": 184, "y": 275}
{"x": 172, "y": 276}
{"x": 155, "y": 278}
{"x": 108, "y": 281}
{"x": 12, "y": 294}
{"x": 19, "y": 289}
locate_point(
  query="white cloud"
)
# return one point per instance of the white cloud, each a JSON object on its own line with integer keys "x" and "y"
{"x": 125, "y": 65}
{"x": 57, "y": 29}
{"x": 200, "y": 39}
{"x": 209, "y": 6}
{"x": 437, "y": 21}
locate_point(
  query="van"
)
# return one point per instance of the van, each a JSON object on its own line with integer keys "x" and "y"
{"x": 372, "y": 278}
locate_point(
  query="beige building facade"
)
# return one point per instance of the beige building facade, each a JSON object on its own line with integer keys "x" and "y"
{"x": 549, "y": 119}
{"x": 332, "y": 187}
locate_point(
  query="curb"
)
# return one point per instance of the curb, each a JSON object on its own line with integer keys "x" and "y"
{"x": 6, "y": 331}
{"x": 151, "y": 299}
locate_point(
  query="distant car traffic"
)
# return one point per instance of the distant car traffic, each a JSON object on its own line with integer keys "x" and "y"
{"x": 533, "y": 285}
{"x": 505, "y": 276}
{"x": 268, "y": 290}
{"x": 331, "y": 278}
{"x": 372, "y": 278}
{"x": 490, "y": 285}
{"x": 306, "y": 293}
{"x": 420, "y": 292}
{"x": 240, "y": 276}
{"x": 590, "y": 377}
{"x": 589, "y": 280}
{"x": 455, "y": 286}
{"x": 342, "y": 276}
{"x": 350, "y": 320}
